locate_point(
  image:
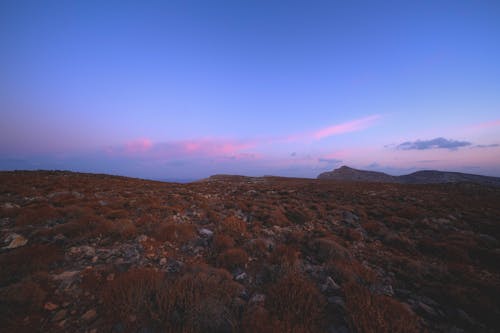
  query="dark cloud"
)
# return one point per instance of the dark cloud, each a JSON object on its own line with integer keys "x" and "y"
{"x": 330, "y": 160}
{"x": 487, "y": 146}
{"x": 437, "y": 143}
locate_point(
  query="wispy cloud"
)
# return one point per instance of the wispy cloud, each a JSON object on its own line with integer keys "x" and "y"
{"x": 493, "y": 145}
{"x": 351, "y": 126}
{"x": 487, "y": 124}
{"x": 437, "y": 143}
{"x": 205, "y": 147}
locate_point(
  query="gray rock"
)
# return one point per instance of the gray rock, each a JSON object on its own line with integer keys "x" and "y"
{"x": 60, "y": 315}
{"x": 337, "y": 300}
{"x": 9, "y": 205}
{"x": 330, "y": 285}
{"x": 241, "y": 276}
{"x": 258, "y": 298}
{"x": 89, "y": 315}
{"x": 82, "y": 251}
{"x": 15, "y": 241}
{"x": 206, "y": 233}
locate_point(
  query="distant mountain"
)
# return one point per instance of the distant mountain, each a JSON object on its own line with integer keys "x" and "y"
{"x": 346, "y": 173}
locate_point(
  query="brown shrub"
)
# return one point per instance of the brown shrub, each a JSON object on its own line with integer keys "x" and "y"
{"x": 351, "y": 270}
{"x": 258, "y": 248}
{"x": 257, "y": 319}
{"x": 138, "y": 297}
{"x": 233, "y": 227}
{"x": 398, "y": 241}
{"x": 18, "y": 301}
{"x": 40, "y": 214}
{"x": 222, "y": 242}
{"x": 23, "y": 261}
{"x": 352, "y": 234}
{"x": 205, "y": 301}
{"x": 296, "y": 217}
{"x": 328, "y": 249}
{"x": 369, "y": 313}
{"x": 373, "y": 227}
{"x": 232, "y": 258}
{"x": 199, "y": 300}
{"x": 175, "y": 233}
{"x": 284, "y": 255}
{"x": 296, "y": 303}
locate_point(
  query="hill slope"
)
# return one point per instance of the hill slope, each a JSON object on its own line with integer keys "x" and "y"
{"x": 96, "y": 253}
{"x": 345, "y": 173}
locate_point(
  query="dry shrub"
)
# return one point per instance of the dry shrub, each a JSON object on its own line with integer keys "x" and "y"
{"x": 398, "y": 241}
{"x": 396, "y": 222}
{"x": 284, "y": 255}
{"x": 118, "y": 214}
{"x": 117, "y": 229}
{"x": 352, "y": 234}
{"x": 91, "y": 280}
{"x": 205, "y": 301}
{"x": 257, "y": 319}
{"x": 373, "y": 227}
{"x": 369, "y": 313}
{"x": 138, "y": 297}
{"x": 232, "y": 258}
{"x": 328, "y": 249}
{"x": 296, "y": 303}
{"x": 24, "y": 261}
{"x": 200, "y": 300}
{"x": 233, "y": 227}
{"x": 175, "y": 233}
{"x": 86, "y": 226}
{"x": 351, "y": 270}
{"x": 18, "y": 301}
{"x": 258, "y": 248}
{"x": 222, "y": 242}
{"x": 274, "y": 217}
{"x": 40, "y": 214}
{"x": 296, "y": 217}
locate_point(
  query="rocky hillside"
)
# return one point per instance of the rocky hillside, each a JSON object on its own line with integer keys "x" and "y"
{"x": 96, "y": 253}
{"x": 345, "y": 173}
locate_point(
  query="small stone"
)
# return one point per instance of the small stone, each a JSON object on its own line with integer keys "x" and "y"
{"x": 16, "y": 241}
{"x": 427, "y": 309}
{"x": 66, "y": 276}
{"x": 60, "y": 315}
{"x": 9, "y": 205}
{"x": 241, "y": 276}
{"x": 84, "y": 250}
{"x": 142, "y": 238}
{"x": 50, "y": 306}
{"x": 206, "y": 233}
{"x": 163, "y": 261}
{"x": 89, "y": 315}
{"x": 258, "y": 298}
{"x": 330, "y": 285}
{"x": 336, "y": 300}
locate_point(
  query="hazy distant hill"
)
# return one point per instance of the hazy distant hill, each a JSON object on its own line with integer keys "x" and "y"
{"x": 346, "y": 173}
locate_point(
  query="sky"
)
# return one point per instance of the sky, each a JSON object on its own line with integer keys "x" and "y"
{"x": 181, "y": 90}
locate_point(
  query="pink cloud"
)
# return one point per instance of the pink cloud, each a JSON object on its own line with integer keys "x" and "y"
{"x": 207, "y": 147}
{"x": 351, "y": 126}
{"x": 488, "y": 124}
{"x": 138, "y": 146}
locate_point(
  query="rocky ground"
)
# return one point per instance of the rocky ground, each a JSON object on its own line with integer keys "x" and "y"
{"x": 97, "y": 253}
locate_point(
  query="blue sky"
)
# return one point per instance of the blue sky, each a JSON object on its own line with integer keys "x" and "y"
{"x": 185, "y": 89}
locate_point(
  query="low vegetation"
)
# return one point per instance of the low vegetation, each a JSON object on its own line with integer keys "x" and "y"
{"x": 96, "y": 253}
